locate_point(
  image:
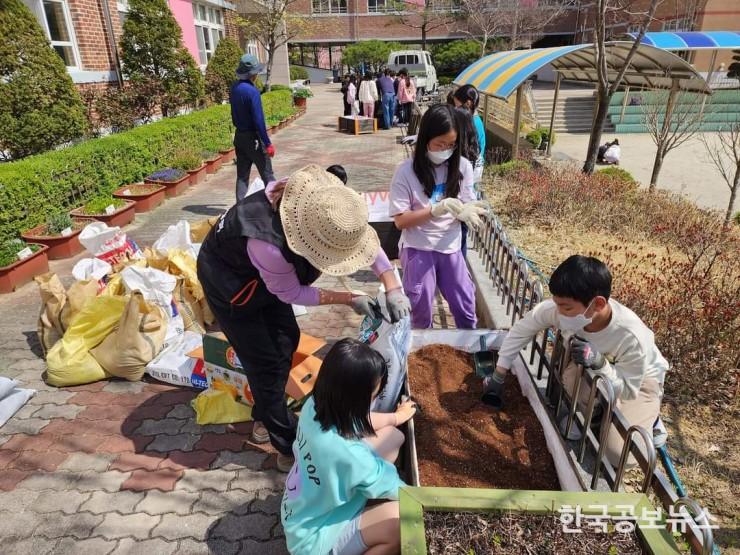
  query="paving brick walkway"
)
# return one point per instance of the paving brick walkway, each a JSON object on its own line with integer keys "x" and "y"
{"x": 119, "y": 467}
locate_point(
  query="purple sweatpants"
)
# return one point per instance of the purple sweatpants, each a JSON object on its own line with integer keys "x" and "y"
{"x": 424, "y": 272}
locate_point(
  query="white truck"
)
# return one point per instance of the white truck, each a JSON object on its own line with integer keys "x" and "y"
{"x": 419, "y": 65}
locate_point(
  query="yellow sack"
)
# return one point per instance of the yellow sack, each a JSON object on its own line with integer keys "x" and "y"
{"x": 139, "y": 337}
{"x": 53, "y": 299}
{"x": 156, "y": 260}
{"x": 214, "y": 406}
{"x": 201, "y": 228}
{"x": 114, "y": 287}
{"x": 208, "y": 316}
{"x": 69, "y": 360}
{"x": 182, "y": 264}
{"x": 190, "y": 310}
{"x": 78, "y": 294}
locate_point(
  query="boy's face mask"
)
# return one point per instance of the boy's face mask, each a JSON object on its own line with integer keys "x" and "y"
{"x": 575, "y": 323}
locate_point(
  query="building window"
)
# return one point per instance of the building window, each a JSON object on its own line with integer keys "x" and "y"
{"x": 252, "y": 48}
{"x": 122, "y": 8}
{"x": 381, "y": 6}
{"x": 53, "y": 15}
{"x": 677, "y": 25}
{"x": 209, "y": 30}
{"x": 328, "y": 6}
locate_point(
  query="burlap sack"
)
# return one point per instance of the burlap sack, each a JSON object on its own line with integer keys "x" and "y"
{"x": 208, "y": 316}
{"x": 53, "y": 299}
{"x": 139, "y": 337}
{"x": 78, "y": 295}
{"x": 189, "y": 308}
{"x": 201, "y": 228}
{"x": 156, "y": 260}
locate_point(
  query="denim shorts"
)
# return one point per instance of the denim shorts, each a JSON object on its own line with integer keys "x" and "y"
{"x": 350, "y": 541}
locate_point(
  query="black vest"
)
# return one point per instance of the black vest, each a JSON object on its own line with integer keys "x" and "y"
{"x": 224, "y": 267}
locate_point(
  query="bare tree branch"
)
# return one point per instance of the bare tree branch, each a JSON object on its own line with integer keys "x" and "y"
{"x": 723, "y": 151}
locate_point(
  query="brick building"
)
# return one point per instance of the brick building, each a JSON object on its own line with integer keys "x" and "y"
{"x": 85, "y": 33}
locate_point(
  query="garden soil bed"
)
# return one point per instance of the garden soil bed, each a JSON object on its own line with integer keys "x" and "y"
{"x": 462, "y": 442}
{"x": 511, "y": 533}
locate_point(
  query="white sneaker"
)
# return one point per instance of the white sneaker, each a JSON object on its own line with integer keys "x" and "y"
{"x": 575, "y": 433}
{"x": 260, "y": 433}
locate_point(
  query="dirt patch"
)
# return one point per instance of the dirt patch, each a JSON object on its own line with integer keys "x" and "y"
{"x": 460, "y": 441}
{"x": 483, "y": 533}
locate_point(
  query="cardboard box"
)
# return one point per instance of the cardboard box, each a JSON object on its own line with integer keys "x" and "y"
{"x": 224, "y": 370}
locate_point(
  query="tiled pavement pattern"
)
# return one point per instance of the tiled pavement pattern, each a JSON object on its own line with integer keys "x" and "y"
{"x": 120, "y": 467}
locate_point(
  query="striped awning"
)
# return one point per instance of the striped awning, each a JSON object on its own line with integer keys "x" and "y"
{"x": 499, "y": 74}
{"x": 695, "y": 40}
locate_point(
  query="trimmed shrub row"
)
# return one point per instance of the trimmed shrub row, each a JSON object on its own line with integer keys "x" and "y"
{"x": 36, "y": 187}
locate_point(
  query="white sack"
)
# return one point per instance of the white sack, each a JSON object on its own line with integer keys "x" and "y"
{"x": 91, "y": 269}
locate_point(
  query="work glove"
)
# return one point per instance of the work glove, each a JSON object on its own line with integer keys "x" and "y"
{"x": 451, "y": 206}
{"x": 363, "y": 305}
{"x": 584, "y": 354}
{"x": 471, "y": 214}
{"x": 493, "y": 389}
{"x": 270, "y": 150}
{"x": 398, "y": 304}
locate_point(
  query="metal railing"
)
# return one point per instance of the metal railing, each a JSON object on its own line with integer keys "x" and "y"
{"x": 510, "y": 275}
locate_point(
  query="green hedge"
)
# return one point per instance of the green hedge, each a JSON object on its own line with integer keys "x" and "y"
{"x": 38, "y": 186}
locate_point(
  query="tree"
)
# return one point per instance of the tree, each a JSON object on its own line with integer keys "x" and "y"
{"x": 220, "y": 73}
{"x": 153, "y": 56}
{"x": 269, "y": 23}
{"x": 453, "y": 57}
{"x": 603, "y": 10}
{"x": 371, "y": 53}
{"x": 671, "y": 120}
{"x": 424, "y": 15}
{"x": 39, "y": 105}
{"x": 723, "y": 150}
{"x": 481, "y": 20}
{"x": 529, "y": 19}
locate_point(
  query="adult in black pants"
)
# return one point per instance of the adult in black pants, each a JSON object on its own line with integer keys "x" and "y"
{"x": 262, "y": 256}
{"x": 251, "y": 141}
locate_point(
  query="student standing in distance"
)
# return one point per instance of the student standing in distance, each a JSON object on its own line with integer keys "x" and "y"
{"x": 427, "y": 199}
{"x": 352, "y": 96}
{"x": 344, "y": 457}
{"x": 387, "y": 90}
{"x": 252, "y": 144}
{"x": 406, "y": 95}
{"x": 368, "y": 95}
{"x": 468, "y": 97}
{"x": 345, "y": 88}
{"x": 608, "y": 339}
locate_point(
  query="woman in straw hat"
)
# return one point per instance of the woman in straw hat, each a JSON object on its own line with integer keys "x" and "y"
{"x": 262, "y": 256}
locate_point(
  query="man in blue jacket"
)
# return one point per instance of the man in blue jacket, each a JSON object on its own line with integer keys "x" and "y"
{"x": 251, "y": 141}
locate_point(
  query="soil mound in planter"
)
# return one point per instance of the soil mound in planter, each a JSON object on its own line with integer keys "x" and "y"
{"x": 503, "y": 534}
{"x": 462, "y": 442}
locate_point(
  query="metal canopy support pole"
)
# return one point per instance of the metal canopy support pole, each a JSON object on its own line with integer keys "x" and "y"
{"x": 710, "y": 73}
{"x": 624, "y": 104}
{"x": 517, "y": 117}
{"x": 552, "y": 115}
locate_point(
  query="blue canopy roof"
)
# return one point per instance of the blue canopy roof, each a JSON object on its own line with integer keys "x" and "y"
{"x": 694, "y": 40}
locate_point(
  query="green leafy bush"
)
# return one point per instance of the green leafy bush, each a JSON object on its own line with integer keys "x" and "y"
{"x": 153, "y": 54}
{"x": 302, "y": 92}
{"x": 9, "y": 251}
{"x": 220, "y": 71}
{"x": 452, "y": 57}
{"x": 373, "y": 52}
{"x": 445, "y": 79}
{"x": 58, "y": 222}
{"x": 506, "y": 169}
{"x": 99, "y": 204}
{"x": 618, "y": 173}
{"x": 187, "y": 159}
{"x": 68, "y": 178}
{"x": 536, "y": 136}
{"x": 39, "y": 105}
{"x": 297, "y": 72}
{"x": 736, "y": 218}
{"x": 274, "y": 88}
{"x": 209, "y": 154}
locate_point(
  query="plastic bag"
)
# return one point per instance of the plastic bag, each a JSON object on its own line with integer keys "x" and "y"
{"x": 53, "y": 298}
{"x": 173, "y": 365}
{"x": 182, "y": 263}
{"x": 138, "y": 339}
{"x": 12, "y": 398}
{"x": 393, "y": 341}
{"x": 216, "y": 406}
{"x": 91, "y": 269}
{"x": 176, "y": 237}
{"x": 109, "y": 244}
{"x": 254, "y": 186}
{"x": 69, "y": 360}
{"x": 155, "y": 285}
{"x": 156, "y": 260}
{"x": 189, "y": 307}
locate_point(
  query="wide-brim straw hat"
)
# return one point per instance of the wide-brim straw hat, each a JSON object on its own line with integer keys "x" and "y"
{"x": 325, "y": 222}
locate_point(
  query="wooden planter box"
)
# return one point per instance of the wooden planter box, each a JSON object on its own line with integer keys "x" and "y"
{"x": 228, "y": 155}
{"x": 214, "y": 164}
{"x": 414, "y": 502}
{"x": 144, "y": 201}
{"x": 23, "y": 271}
{"x": 198, "y": 175}
{"x": 172, "y": 188}
{"x": 121, "y": 217}
{"x": 358, "y": 125}
{"x": 58, "y": 246}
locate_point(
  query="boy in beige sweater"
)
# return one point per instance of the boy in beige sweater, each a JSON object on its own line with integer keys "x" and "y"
{"x": 609, "y": 339}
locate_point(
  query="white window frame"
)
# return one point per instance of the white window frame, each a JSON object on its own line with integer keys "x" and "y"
{"x": 252, "y": 48}
{"x": 214, "y": 29}
{"x": 679, "y": 25}
{"x": 122, "y": 7}
{"x": 381, "y": 6}
{"x": 37, "y": 8}
{"x": 334, "y": 7}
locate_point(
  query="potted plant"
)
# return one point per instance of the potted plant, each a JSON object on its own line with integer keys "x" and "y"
{"x": 60, "y": 233}
{"x": 187, "y": 160}
{"x": 213, "y": 161}
{"x": 300, "y": 95}
{"x": 174, "y": 180}
{"x": 146, "y": 196}
{"x": 20, "y": 263}
{"x": 228, "y": 153}
{"x": 113, "y": 211}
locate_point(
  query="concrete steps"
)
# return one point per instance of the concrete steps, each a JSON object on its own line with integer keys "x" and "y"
{"x": 573, "y": 113}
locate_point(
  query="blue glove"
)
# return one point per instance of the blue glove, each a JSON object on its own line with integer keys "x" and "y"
{"x": 584, "y": 354}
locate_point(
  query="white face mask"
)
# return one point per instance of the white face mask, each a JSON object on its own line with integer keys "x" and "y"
{"x": 439, "y": 157}
{"x": 575, "y": 323}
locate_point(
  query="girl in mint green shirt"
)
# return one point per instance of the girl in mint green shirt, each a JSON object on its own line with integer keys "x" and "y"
{"x": 344, "y": 457}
